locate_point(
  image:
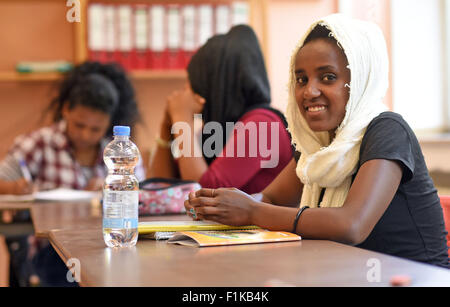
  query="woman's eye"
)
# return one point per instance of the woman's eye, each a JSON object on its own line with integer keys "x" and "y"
{"x": 302, "y": 80}
{"x": 329, "y": 77}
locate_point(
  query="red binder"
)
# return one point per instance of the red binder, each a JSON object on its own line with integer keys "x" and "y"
{"x": 158, "y": 37}
{"x": 189, "y": 34}
{"x": 125, "y": 36}
{"x": 174, "y": 55}
{"x": 239, "y": 13}
{"x": 96, "y": 42}
{"x": 110, "y": 33}
{"x": 205, "y": 26}
{"x": 222, "y": 17}
{"x": 139, "y": 54}
{"x": 205, "y": 23}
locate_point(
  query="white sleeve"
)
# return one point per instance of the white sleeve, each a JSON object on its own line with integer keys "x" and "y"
{"x": 10, "y": 169}
{"x": 139, "y": 171}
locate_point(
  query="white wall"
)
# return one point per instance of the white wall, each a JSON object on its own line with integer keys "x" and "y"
{"x": 436, "y": 155}
{"x": 418, "y": 67}
{"x": 288, "y": 21}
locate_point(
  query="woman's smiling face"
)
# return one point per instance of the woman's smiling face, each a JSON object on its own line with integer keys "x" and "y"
{"x": 321, "y": 74}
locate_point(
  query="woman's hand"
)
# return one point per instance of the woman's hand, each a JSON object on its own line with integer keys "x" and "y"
{"x": 227, "y": 206}
{"x": 183, "y": 104}
{"x": 22, "y": 187}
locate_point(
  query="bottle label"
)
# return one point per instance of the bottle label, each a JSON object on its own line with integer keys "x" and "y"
{"x": 120, "y": 209}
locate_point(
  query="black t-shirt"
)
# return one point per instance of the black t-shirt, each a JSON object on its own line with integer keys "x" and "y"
{"x": 413, "y": 225}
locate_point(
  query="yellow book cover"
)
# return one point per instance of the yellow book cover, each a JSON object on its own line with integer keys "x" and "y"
{"x": 231, "y": 237}
{"x": 172, "y": 226}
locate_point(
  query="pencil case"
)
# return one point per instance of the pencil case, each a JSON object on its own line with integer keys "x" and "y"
{"x": 164, "y": 196}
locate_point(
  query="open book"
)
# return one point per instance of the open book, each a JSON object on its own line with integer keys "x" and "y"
{"x": 231, "y": 237}
{"x": 161, "y": 230}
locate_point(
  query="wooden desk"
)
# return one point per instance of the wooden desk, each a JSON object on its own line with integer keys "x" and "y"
{"x": 16, "y": 205}
{"x": 68, "y": 215}
{"x": 75, "y": 216}
{"x": 305, "y": 263}
{"x": 47, "y": 216}
{"x": 74, "y": 230}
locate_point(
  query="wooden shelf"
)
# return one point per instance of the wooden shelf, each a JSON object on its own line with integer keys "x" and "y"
{"x": 13, "y": 76}
{"x": 158, "y": 74}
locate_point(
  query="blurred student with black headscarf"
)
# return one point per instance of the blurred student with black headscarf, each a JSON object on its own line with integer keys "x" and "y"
{"x": 243, "y": 142}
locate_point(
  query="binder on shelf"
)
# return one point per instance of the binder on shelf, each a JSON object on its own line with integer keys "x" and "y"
{"x": 110, "y": 33}
{"x": 222, "y": 18}
{"x": 205, "y": 23}
{"x": 96, "y": 29}
{"x": 157, "y": 36}
{"x": 174, "y": 54}
{"x": 189, "y": 37}
{"x": 125, "y": 37}
{"x": 139, "y": 55}
{"x": 240, "y": 13}
{"x": 158, "y": 46}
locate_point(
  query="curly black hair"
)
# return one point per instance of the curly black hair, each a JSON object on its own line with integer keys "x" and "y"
{"x": 319, "y": 31}
{"x": 103, "y": 87}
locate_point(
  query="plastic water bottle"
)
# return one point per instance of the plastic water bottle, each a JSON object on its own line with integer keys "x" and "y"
{"x": 120, "y": 191}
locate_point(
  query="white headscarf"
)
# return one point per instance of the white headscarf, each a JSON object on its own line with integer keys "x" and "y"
{"x": 331, "y": 166}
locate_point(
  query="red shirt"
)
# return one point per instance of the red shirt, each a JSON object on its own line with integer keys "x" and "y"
{"x": 260, "y": 164}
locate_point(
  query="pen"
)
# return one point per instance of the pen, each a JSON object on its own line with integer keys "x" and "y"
{"x": 25, "y": 172}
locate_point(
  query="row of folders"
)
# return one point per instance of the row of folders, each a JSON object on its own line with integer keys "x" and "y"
{"x": 157, "y": 36}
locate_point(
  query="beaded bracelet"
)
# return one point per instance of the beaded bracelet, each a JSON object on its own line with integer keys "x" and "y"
{"x": 297, "y": 217}
{"x": 163, "y": 143}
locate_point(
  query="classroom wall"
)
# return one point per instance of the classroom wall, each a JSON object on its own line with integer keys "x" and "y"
{"x": 32, "y": 31}
{"x": 379, "y": 12}
{"x": 287, "y": 22}
{"x": 419, "y": 63}
{"x": 436, "y": 154}
{"x": 39, "y": 31}
{"x": 26, "y": 35}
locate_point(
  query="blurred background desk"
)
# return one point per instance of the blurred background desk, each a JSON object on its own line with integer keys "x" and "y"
{"x": 47, "y": 216}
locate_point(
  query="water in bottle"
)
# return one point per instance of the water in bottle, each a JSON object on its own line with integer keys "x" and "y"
{"x": 121, "y": 190}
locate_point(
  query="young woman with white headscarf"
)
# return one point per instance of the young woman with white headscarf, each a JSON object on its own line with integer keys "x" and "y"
{"x": 361, "y": 178}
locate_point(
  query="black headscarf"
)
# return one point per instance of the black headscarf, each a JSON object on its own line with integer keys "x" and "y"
{"x": 229, "y": 73}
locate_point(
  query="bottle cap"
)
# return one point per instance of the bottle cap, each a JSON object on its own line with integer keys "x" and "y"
{"x": 121, "y": 130}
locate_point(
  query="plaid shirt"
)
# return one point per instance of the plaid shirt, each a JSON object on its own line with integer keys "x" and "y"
{"x": 50, "y": 159}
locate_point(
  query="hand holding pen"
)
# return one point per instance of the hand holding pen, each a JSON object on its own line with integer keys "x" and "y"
{"x": 24, "y": 185}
